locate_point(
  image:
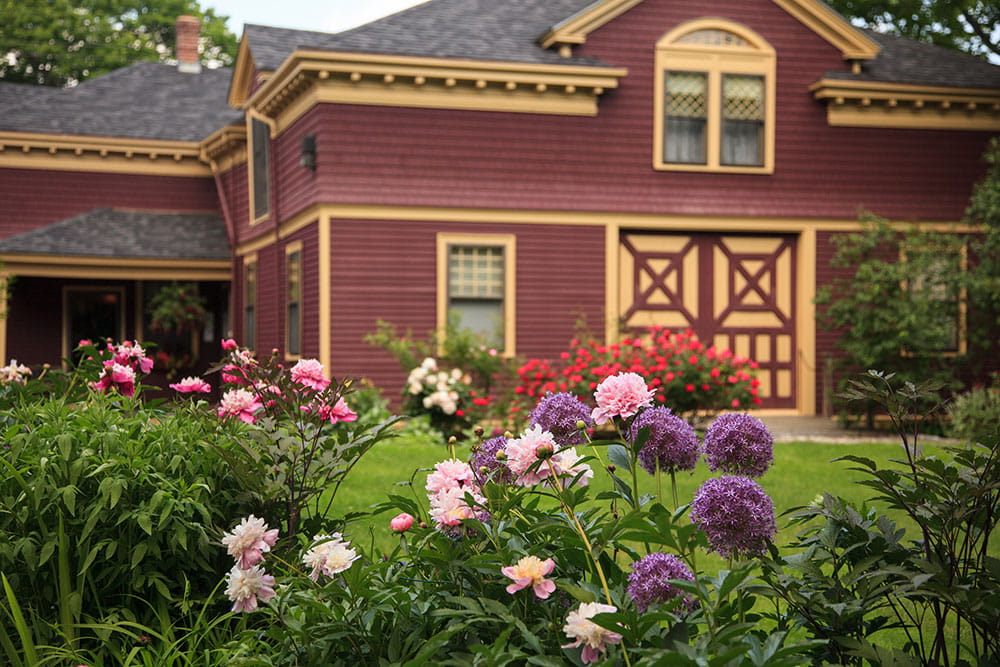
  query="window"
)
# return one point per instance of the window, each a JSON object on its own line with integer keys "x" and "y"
{"x": 476, "y": 286}
{"x": 94, "y": 314}
{"x": 250, "y": 302}
{"x": 715, "y": 89}
{"x": 293, "y": 300}
{"x": 260, "y": 173}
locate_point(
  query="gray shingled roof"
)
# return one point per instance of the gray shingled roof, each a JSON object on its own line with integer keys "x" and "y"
{"x": 903, "y": 60}
{"x": 508, "y": 30}
{"x": 494, "y": 30}
{"x": 145, "y": 100}
{"x": 15, "y": 95}
{"x": 108, "y": 232}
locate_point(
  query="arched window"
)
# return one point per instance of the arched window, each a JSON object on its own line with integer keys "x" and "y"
{"x": 714, "y": 92}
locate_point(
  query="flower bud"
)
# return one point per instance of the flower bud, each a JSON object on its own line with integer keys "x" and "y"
{"x": 478, "y": 431}
{"x": 612, "y": 467}
{"x": 580, "y": 424}
{"x": 545, "y": 450}
{"x": 401, "y": 523}
{"x": 229, "y": 344}
{"x": 452, "y": 440}
{"x": 501, "y": 455}
{"x": 423, "y": 524}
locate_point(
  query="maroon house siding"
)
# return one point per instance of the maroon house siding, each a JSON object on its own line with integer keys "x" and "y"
{"x": 387, "y": 269}
{"x": 433, "y": 157}
{"x": 237, "y": 192}
{"x": 34, "y": 198}
{"x": 295, "y": 183}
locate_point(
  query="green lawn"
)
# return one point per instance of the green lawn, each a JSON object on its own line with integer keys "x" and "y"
{"x": 801, "y": 471}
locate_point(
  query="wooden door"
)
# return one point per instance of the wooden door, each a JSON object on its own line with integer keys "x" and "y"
{"x": 735, "y": 291}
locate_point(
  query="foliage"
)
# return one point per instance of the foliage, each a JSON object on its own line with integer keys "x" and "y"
{"x": 984, "y": 277}
{"x": 304, "y": 441}
{"x": 484, "y": 380}
{"x": 854, "y": 576}
{"x": 105, "y": 502}
{"x": 688, "y": 375}
{"x": 443, "y": 594}
{"x": 975, "y": 414}
{"x": 55, "y": 43}
{"x": 176, "y": 308}
{"x": 444, "y": 395}
{"x": 967, "y": 25}
{"x": 900, "y": 307}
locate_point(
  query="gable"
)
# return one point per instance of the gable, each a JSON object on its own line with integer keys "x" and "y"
{"x": 852, "y": 42}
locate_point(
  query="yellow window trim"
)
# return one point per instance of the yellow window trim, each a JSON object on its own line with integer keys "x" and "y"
{"x": 252, "y": 115}
{"x": 509, "y": 244}
{"x": 963, "y": 300}
{"x": 290, "y": 249}
{"x": 757, "y": 59}
{"x": 225, "y": 148}
{"x": 250, "y": 261}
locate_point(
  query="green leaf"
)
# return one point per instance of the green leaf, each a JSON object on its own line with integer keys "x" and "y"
{"x": 618, "y": 455}
{"x": 145, "y": 522}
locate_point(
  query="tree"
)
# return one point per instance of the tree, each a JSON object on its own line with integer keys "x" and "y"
{"x": 60, "y": 42}
{"x": 984, "y": 278}
{"x": 965, "y": 25}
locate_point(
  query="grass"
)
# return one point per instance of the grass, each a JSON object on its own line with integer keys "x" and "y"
{"x": 801, "y": 471}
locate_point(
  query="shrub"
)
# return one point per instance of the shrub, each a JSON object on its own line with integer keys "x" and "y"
{"x": 975, "y": 414}
{"x": 688, "y": 375}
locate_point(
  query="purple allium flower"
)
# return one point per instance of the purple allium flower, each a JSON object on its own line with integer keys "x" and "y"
{"x": 485, "y": 465}
{"x": 739, "y": 444}
{"x": 649, "y": 582}
{"x": 558, "y": 414}
{"x": 736, "y": 514}
{"x": 672, "y": 444}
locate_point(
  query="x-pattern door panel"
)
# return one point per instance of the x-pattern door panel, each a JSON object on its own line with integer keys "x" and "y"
{"x": 736, "y": 291}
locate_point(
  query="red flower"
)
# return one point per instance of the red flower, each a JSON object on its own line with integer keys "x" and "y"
{"x": 689, "y": 388}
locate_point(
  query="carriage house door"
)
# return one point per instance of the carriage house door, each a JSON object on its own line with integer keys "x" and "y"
{"x": 736, "y": 291}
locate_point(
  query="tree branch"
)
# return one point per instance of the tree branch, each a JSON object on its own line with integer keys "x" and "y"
{"x": 980, "y": 32}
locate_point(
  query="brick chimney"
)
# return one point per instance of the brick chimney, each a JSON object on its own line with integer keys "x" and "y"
{"x": 188, "y": 31}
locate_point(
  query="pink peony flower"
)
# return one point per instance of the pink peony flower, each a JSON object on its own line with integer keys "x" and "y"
{"x": 190, "y": 385}
{"x": 531, "y": 571}
{"x": 621, "y": 395}
{"x": 588, "y": 634}
{"x": 246, "y": 586}
{"x": 229, "y": 344}
{"x": 330, "y": 555}
{"x": 449, "y": 506}
{"x": 401, "y": 523}
{"x": 309, "y": 372}
{"x": 450, "y": 474}
{"x": 522, "y": 454}
{"x": 249, "y": 541}
{"x": 14, "y": 373}
{"x": 339, "y": 412}
{"x": 239, "y": 403}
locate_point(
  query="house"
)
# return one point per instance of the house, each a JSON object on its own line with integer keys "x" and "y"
{"x": 523, "y": 163}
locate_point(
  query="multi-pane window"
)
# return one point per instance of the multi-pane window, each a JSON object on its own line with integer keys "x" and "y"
{"x": 293, "y": 302}
{"x": 742, "y": 120}
{"x": 250, "y": 303}
{"x": 260, "y": 176}
{"x": 714, "y": 100}
{"x": 686, "y": 117}
{"x": 476, "y": 289}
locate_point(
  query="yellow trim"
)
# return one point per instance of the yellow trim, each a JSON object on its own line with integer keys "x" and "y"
{"x": 851, "y": 42}
{"x": 509, "y": 244}
{"x": 248, "y": 262}
{"x": 4, "y": 278}
{"x": 650, "y": 221}
{"x": 243, "y": 75}
{"x": 872, "y": 104}
{"x": 325, "y": 335}
{"x": 225, "y": 148}
{"x": 758, "y": 59}
{"x": 612, "y": 305}
{"x": 290, "y": 249}
{"x": 806, "y": 369}
{"x": 65, "y": 346}
{"x": 254, "y": 115}
{"x": 29, "y": 150}
{"x": 114, "y": 268}
{"x": 307, "y": 78}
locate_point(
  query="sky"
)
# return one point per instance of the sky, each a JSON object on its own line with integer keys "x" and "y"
{"x": 322, "y": 15}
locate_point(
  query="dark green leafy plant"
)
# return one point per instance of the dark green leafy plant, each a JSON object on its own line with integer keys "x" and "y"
{"x": 975, "y": 414}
